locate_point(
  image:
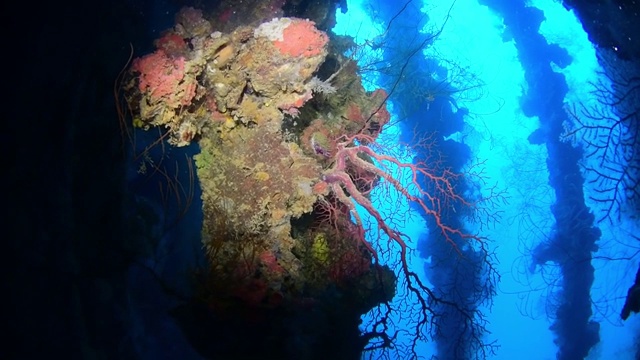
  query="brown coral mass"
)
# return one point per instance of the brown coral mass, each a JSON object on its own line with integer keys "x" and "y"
{"x": 260, "y": 180}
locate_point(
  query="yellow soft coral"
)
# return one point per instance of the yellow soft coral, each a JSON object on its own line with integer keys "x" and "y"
{"x": 138, "y": 123}
{"x": 320, "y": 249}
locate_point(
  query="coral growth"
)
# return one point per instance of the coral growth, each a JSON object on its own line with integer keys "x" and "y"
{"x": 301, "y": 38}
{"x": 232, "y": 92}
{"x": 248, "y": 75}
{"x": 172, "y": 44}
{"x": 285, "y": 157}
{"x": 190, "y": 23}
{"x": 163, "y": 79}
{"x": 250, "y": 168}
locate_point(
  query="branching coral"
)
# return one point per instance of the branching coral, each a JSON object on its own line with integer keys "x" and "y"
{"x": 351, "y": 154}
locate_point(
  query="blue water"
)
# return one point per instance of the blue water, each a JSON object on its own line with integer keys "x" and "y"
{"x": 496, "y": 93}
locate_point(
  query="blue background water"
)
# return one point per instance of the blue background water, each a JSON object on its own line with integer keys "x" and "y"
{"x": 480, "y": 44}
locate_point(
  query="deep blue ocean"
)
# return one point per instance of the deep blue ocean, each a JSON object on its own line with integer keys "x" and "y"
{"x": 518, "y": 89}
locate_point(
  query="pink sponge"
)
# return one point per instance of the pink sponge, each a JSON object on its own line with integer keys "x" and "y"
{"x": 163, "y": 78}
{"x": 301, "y": 38}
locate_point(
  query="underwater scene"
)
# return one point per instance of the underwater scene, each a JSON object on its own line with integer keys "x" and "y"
{"x": 352, "y": 179}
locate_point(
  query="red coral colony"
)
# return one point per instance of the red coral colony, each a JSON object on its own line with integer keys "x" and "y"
{"x": 285, "y": 186}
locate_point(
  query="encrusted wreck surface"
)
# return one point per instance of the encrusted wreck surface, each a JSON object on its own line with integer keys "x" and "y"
{"x": 267, "y": 113}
